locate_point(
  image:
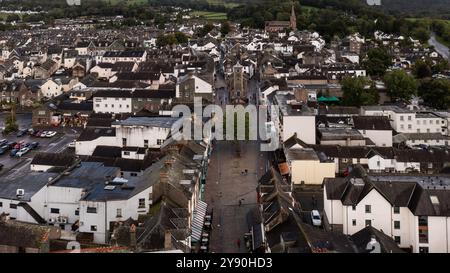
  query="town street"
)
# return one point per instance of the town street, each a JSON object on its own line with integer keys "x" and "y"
{"x": 226, "y": 186}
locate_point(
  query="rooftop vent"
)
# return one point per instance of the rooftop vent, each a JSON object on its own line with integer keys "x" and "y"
{"x": 20, "y": 193}
{"x": 434, "y": 200}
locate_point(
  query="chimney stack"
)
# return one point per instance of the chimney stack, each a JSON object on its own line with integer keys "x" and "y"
{"x": 168, "y": 240}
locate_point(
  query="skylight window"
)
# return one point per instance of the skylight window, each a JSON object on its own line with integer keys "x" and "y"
{"x": 434, "y": 200}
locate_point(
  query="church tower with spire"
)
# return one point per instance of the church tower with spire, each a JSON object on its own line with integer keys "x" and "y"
{"x": 293, "y": 18}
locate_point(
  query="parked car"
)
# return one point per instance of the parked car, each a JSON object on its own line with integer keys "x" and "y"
{"x": 316, "y": 219}
{"x": 21, "y": 133}
{"x": 37, "y": 133}
{"x": 50, "y": 134}
{"x": 31, "y": 131}
{"x": 33, "y": 145}
{"x": 3, "y": 149}
{"x": 11, "y": 144}
{"x": 13, "y": 152}
{"x": 22, "y": 152}
{"x": 43, "y": 134}
{"x": 19, "y": 145}
{"x": 3, "y": 141}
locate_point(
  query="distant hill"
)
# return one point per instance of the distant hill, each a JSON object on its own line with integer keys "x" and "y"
{"x": 416, "y": 6}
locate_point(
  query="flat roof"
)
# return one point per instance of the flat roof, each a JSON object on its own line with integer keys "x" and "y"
{"x": 163, "y": 122}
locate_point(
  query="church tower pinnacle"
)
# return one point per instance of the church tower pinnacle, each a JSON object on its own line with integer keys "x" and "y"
{"x": 293, "y": 18}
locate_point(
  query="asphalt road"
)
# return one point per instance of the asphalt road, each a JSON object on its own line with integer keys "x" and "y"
{"x": 230, "y": 194}
{"x": 440, "y": 48}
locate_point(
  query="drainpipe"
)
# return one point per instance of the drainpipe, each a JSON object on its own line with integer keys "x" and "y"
{"x": 446, "y": 233}
{"x": 106, "y": 222}
{"x": 346, "y": 219}
{"x": 392, "y": 218}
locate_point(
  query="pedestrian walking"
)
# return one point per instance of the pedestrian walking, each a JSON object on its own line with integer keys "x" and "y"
{"x": 240, "y": 203}
{"x": 238, "y": 243}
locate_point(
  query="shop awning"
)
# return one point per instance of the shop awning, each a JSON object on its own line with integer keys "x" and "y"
{"x": 199, "y": 220}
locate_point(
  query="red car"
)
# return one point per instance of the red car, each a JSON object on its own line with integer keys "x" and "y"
{"x": 19, "y": 145}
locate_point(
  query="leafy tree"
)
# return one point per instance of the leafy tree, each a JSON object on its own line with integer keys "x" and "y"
{"x": 422, "y": 34}
{"x": 12, "y": 18}
{"x": 436, "y": 93}
{"x": 181, "y": 37}
{"x": 10, "y": 121}
{"x": 422, "y": 69}
{"x": 225, "y": 28}
{"x": 202, "y": 32}
{"x": 378, "y": 60}
{"x": 357, "y": 92}
{"x": 440, "y": 66}
{"x": 400, "y": 85}
{"x": 283, "y": 16}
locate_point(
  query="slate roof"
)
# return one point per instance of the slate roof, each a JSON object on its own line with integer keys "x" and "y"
{"x": 30, "y": 182}
{"x": 364, "y": 236}
{"x": 91, "y": 133}
{"x": 107, "y": 151}
{"x": 379, "y": 123}
{"x": 53, "y": 159}
{"x": 163, "y": 122}
{"x": 415, "y": 191}
{"x": 138, "y": 93}
{"x": 124, "y": 54}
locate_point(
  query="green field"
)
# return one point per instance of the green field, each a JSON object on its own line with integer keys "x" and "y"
{"x": 4, "y": 15}
{"x": 225, "y": 3}
{"x": 209, "y": 15}
{"x": 129, "y": 2}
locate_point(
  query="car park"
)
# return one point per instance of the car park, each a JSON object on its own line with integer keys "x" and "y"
{"x": 3, "y": 141}
{"x": 22, "y": 152}
{"x": 316, "y": 219}
{"x": 71, "y": 144}
{"x": 1, "y": 166}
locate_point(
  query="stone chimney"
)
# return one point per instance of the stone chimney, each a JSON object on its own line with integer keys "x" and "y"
{"x": 301, "y": 94}
{"x": 168, "y": 240}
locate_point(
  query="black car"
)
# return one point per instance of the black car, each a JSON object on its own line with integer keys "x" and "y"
{"x": 11, "y": 144}
{"x": 21, "y": 133}
{"x": 33, "y": 145}
{"x": 4, "y": 149}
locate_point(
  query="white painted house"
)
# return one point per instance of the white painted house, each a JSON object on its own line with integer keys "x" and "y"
{"x": 142, "y": 132}
{"x": 294, "y": 118}
{"x": 51, "y": 89}
{"x": 407, "y": 121}
{"x": 377, "y": 129}
{"x": 411, "y": 209}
